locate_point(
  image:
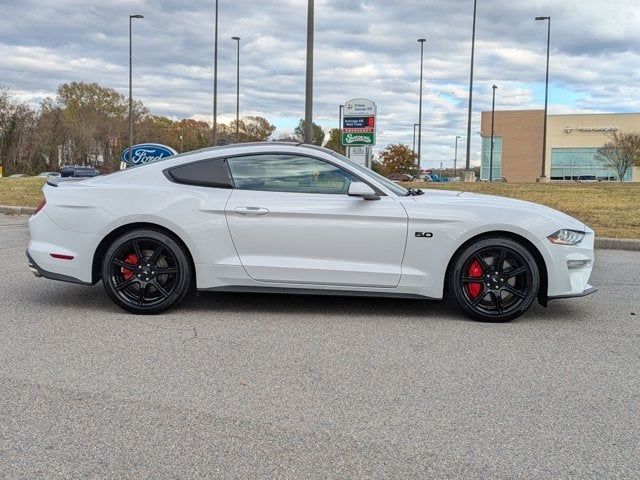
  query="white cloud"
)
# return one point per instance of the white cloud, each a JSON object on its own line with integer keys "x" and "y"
{"x": 364, "y": 48}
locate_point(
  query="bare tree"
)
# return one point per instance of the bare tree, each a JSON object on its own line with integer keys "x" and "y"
{"x": 86, "y": 123}
{"x": 621, "y": 152}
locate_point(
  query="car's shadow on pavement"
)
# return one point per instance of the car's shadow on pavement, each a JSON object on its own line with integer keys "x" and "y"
{"x": 60, "y": 296}
{"x": 416, "y": 309}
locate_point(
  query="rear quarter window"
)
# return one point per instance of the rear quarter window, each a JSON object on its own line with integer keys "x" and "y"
{"x": 212, "y": 173}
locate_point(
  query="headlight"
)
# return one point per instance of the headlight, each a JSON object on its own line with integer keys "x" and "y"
{"x": 566, "y": 237}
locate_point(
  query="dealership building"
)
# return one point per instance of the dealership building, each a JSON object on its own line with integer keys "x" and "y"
{"x": 572, "y": 145}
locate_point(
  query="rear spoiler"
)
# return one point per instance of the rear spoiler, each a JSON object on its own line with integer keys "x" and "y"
{"x": 55, "y": 181}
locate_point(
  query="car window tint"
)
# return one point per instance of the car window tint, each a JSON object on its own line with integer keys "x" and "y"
{"x": 208, "y": 173}
{"x": 288, "y": 173}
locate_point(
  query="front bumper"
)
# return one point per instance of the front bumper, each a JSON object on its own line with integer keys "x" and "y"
{"x": 569, "y": 268}
{"x": 588, "y": 291}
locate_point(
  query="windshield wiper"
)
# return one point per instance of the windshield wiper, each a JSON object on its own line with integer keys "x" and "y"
{"x": 414, "y": 192}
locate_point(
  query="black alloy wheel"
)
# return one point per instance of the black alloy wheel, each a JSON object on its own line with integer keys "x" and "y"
{"x": 146, "y": 272}
{"x": 494, "y": 280}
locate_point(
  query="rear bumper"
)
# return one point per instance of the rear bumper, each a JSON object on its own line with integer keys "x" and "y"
{"x": 48, "y": 239}
{"x": 39, "y": 272}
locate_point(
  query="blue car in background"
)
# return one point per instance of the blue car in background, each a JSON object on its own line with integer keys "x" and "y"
{"x": 437, "y": 178}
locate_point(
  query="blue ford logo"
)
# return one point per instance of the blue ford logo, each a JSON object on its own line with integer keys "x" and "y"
{"x": 147, "y": 152}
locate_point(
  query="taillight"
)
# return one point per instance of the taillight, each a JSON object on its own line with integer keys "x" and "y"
{"x": 41, "y": 205}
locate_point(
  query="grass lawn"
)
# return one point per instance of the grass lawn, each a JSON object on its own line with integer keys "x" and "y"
{"x": 611, "y": 209}
{"x": 21, "y": 192}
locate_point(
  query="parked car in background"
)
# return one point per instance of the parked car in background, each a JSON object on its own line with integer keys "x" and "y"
{"x": 48, "y": 174}
{"x": 587, "y": 179}
{"x": 80, "y": 172}
{"x": 499, "y": 179}
{"x": 437, "y": 178}
{"x": 18, "y": 175}
{"x": 400, "y": 177}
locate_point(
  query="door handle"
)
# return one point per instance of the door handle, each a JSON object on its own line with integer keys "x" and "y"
{"x": 252, "y": 211}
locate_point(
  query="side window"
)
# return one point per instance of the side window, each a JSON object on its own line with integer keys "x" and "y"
{"x": 205, "y": 173}
{"x": 288, "y": 173}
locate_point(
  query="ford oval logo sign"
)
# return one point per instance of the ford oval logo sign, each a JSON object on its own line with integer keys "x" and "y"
{"x": 147, "y": 152}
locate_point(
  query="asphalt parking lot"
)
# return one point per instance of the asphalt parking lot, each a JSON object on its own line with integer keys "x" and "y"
{"x": 258, "y": 386}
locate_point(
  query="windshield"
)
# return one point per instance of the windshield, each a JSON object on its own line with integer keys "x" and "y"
{"x": 397, "y": 189}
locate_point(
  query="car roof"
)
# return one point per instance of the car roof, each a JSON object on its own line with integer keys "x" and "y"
{"x": 233, "y": 146}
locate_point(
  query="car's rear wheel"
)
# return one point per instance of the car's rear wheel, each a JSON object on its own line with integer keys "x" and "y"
{"x": 494, "y": 280}
{"x": 146, "y": 272}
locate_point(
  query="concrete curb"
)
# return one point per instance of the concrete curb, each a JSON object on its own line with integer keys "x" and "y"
{"x": 617, "y": 244}
{"x": 11, "y": 210}
{"x": 600, "y": 242}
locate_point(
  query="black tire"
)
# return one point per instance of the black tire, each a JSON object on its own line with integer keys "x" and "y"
{"x": 146, "y": 272}
{"x": 494, "y": 280}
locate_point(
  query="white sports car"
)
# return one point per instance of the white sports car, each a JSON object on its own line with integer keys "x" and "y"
{"x": 274, "y": 217}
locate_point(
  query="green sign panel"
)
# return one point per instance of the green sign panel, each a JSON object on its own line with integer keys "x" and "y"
{"x": 358, "y": 139}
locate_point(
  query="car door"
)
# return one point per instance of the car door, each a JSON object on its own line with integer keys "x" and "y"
{"x": 292, "y": 221}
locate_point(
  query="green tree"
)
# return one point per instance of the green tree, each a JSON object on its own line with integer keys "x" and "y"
{"x": 621, "y": 152}
{"x": 317, "y": 133}
{"x": 397, "y": 159}
{"x": 334, "y": 142}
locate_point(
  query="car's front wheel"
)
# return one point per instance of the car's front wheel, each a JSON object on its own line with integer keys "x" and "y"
{"x": 494, "y": 280}
{"x": 146, "y": 271}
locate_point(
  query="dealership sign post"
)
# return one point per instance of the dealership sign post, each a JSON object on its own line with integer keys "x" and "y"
{"x": 359, "y": 123}
{"x": 145, "y": 153}
{"x": 359, "y": 129}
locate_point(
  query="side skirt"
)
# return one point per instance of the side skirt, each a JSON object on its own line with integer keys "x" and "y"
{"x": 313, "y": 291}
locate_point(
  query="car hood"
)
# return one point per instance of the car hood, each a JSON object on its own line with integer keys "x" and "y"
{"x": 503, "y": 204}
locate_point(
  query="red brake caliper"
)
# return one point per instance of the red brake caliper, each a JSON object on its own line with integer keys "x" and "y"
{"x": 133, "y": 260}
{"x": 475, "y": 271}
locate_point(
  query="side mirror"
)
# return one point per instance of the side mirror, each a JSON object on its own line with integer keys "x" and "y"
{"x": 361, "y": 189}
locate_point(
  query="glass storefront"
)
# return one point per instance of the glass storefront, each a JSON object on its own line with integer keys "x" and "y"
{"x": 497, "y": 158}
{"x": 570, "y": 163}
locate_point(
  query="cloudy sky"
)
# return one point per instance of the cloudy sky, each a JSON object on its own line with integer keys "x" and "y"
{"x": 362, "y": 49}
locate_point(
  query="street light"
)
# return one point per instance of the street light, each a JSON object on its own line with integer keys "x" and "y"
{"x": 237, "y": 39}
{"x": 546, "y": 99}
{"x": 493, "y": 112}
{"x": 414, "y": 138}
{"x": 421, "y": 41}
{"x": 455, "y": 158}
{"x": 473, "y": 47}
{"x": 308, "y": 103}
{"x": 131, "y": 17}
{"x": 215, "y": 81}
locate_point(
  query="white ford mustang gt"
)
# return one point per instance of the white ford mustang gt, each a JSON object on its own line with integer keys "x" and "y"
{"x": 274, "y": 217}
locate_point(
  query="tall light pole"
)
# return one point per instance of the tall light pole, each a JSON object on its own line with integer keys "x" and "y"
{"x": 237, "y": 39}
{"x": 215, "y": 81}
{"x": 546, "y": 100}
{"x": 493, "y": 114}
{"x": 308, "y": 103}
{"x": 473, "y": 48}
{"x": 455, "y": 158}
{"x": 414, "y": 138}
{"x": 421, "y": 42}
{"x": 131, "y": 17}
